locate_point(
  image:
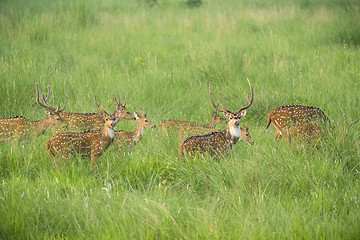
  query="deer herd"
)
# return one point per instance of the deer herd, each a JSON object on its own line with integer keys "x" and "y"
{"x": 90, "y": 134}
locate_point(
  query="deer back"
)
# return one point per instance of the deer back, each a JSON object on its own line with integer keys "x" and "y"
{"x": 13, "y": 127}
{"x": 212, "y": 143}
{"x": 288, "y": 116}
{"x": 81, "y": 121}
{"x": 176, "y": 125}
{"x": 89, "y": 144}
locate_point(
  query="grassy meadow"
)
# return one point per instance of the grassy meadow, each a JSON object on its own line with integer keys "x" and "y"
{"x": 160, "y": 58}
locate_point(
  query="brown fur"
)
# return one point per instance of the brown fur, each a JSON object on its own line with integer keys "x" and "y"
{"x": 89, "y": 144}
{"x": 305, "y": 133}
{"x": 213, "y": 143}
{"x": 184, "y": 129}
{"x": 285, "y": 117}
{"x": 17, "y": 128}
{"x": 124, "y": 139}
{"x": 91, "y": 121}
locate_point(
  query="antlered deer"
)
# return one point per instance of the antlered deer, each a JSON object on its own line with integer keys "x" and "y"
{"x": 220, "y": 142}
{"x": 184, "y": 129}
{"x": 18, "y": 128}
{"x": 124, "y": 139}
{"x": 89, "y": 144}
{"x": 92, "y": 121}
{"x": 285, "y": 117}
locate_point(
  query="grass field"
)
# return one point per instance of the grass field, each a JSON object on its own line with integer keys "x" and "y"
{"x": 161, "y": 57}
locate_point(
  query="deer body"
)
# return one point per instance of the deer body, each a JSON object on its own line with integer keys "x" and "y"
{"x": 126, "y": 139}
{"x": 171, "y": 124}
{"x": 213, "y": 143}
{"x": 92, "y": 121}
{"x": 89, "y": 144}
{"x": 305, "y": 133}
{"x": 82, "y": 121}
{"x": 220, "y": 142}
{"x": 285, "y": 117}
{"x": 185, "y": 129}
{"x": 17, "y": 128}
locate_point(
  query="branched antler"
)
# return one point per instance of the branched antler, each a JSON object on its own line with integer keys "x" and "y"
{"x": 250, "y": 101}
{"x": 46, "y": 104}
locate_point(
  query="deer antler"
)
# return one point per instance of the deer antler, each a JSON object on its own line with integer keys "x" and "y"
{"x": 353, "y": 123}
{"x": 141, "y": 112}
{"x": 118, "y": 104}
{"x": 249, "y": 101}
{"x": 46, "y": 104}
{"x": 217, "y": 106}
{"x": 226, "y": 110}
{"x": 100, "y": 109}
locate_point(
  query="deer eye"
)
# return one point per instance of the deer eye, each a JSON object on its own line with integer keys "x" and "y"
{"x": 145, "y": 120}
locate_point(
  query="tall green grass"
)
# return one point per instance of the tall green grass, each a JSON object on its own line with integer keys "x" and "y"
{"x": 160, "y": 57}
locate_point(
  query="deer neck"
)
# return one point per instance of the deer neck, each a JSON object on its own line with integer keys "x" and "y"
{"x": 40, "y": 126}
{"x": 107, "y": 134}
{"x": 233, "y": 134}
{"x": 210, "y": 124}
{"x": 138, "y": 133}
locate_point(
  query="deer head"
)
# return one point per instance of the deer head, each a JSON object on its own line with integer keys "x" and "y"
{"x": 234, "y": 118}
{"x": 143, "y": 121}
{"x": 52, "y": 114}
{"x": 110, "y": 119}
{"x": 245, "y": 135}
{"x": 122, "y": 112}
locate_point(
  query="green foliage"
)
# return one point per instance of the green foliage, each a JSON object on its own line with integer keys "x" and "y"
{"x": 161, "y": 59}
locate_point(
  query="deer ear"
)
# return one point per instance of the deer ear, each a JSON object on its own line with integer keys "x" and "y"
{"x": 243, "y": 113}
{"x": 227, "y": 115}
{"x": 214, "y": 114}
{"x": 136, "y": 115}
{"x": 48, "y": 113}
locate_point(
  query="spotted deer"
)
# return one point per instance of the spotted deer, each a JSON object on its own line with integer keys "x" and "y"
{"x": 18, "y": 128}
{"x": 91, "y": 144}
{"x": 124, "y": 139}
{"x": 220, "y": 142}
{"x": 285, "y": 117}
{"x": 185, "y": 129}
{"x": 92, "y": 121}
